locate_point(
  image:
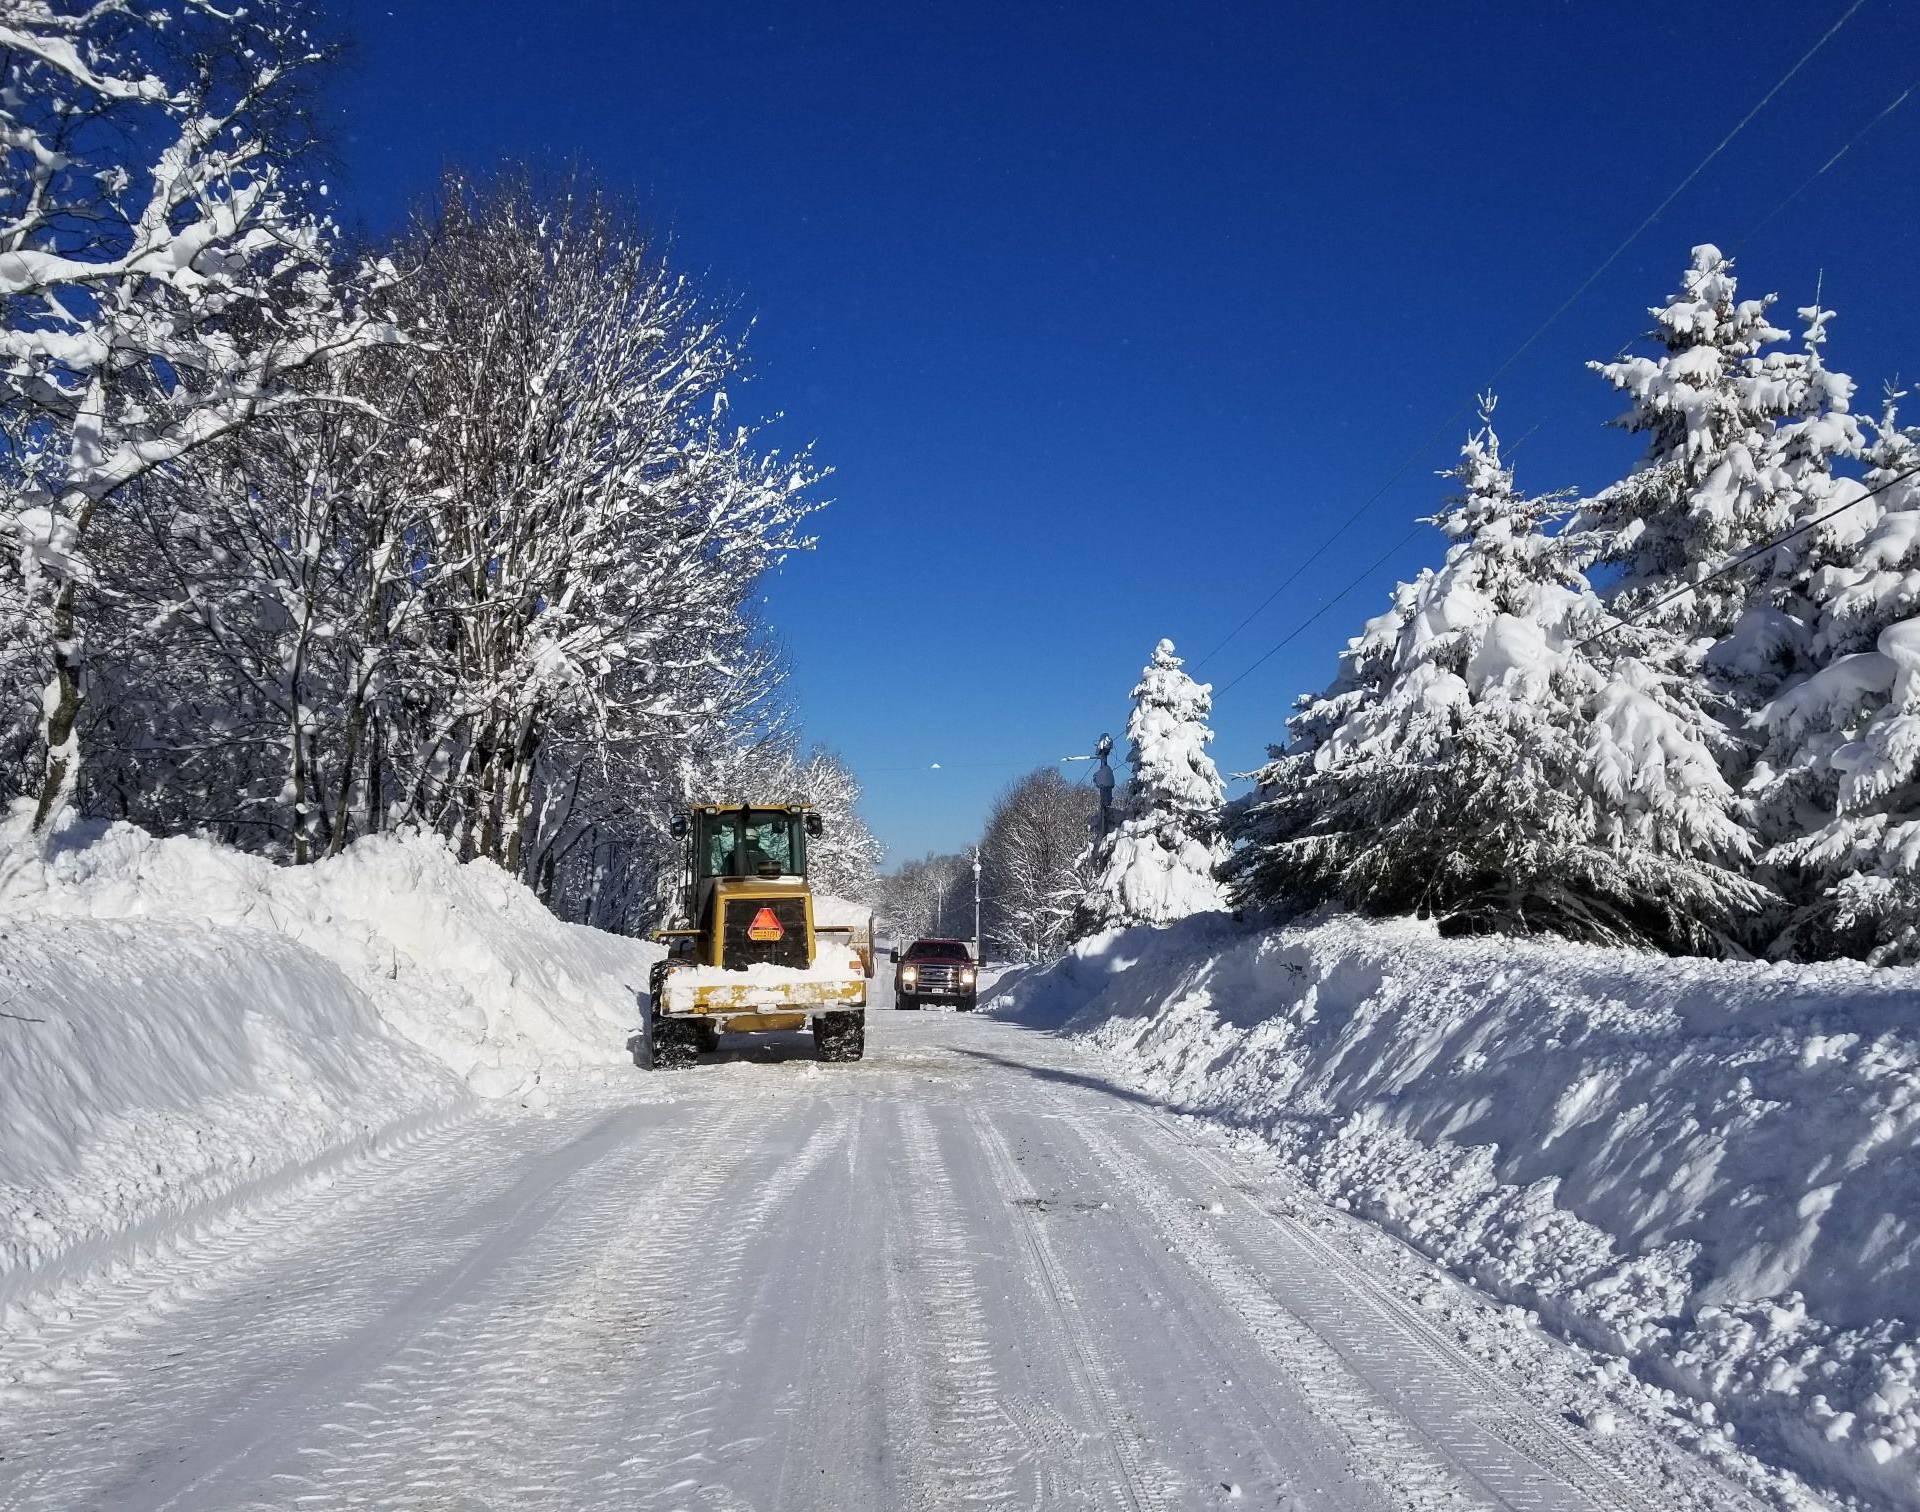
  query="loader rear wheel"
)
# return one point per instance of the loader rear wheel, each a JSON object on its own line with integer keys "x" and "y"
{"x": 706, "y": 1036}
{"x": 840, "y": 1036}
{"x": 671, "y": 1044}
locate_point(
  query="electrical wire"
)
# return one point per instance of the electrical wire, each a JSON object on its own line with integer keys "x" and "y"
{"x": 1733, "y": 564}
{"x": 1518, "y": 352}
{"x": 1766, "y": 220}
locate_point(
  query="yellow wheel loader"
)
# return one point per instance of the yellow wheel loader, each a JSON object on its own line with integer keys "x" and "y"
{"x": 747, "y": 954}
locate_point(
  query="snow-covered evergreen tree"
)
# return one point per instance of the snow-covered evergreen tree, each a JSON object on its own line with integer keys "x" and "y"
{"x": 1708, "y": 404}
{"x": 1838, "y": 787}
{"x": 1475, "y": 763}
{"x": 1158, "y": 863}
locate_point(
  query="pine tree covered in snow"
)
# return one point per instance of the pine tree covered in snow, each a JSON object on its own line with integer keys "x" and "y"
{"x": 1708, "y": 404}
{"x": 1838, "y": 787}
{"x": 1475, "y": 763}
{"x": 1158, "y": 864}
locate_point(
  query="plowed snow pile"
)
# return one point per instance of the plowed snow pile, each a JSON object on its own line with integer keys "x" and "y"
{"x": 1709, "y": 1168}
{"x": 184, "y": 1023}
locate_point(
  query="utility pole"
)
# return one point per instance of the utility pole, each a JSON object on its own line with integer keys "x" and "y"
{"x": 1103, "y": 780}
{"x": 978, "y": 956}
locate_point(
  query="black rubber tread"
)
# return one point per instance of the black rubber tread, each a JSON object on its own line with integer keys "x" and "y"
{"x": 706, "y": 1037}
{"x": 840, "y": 1036}
{"x": 672, "y": 1044}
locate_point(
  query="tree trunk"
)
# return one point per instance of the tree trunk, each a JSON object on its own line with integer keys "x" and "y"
{"x": 61, "y": 773}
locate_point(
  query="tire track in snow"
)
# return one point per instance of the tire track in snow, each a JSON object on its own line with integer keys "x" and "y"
{"x": 1407, "y": 1344}
{"x": 141, "y": 1277}
{"x": 1383, "y": 1451}
{"x": 1135, "y": 1482}
{"x": 684, "y": 1460}
{"x": 952, "y": 1390}
{"x": 525, "y": 1393}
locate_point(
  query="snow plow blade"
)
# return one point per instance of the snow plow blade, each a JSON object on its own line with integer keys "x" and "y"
{"x": 750, "y": 997}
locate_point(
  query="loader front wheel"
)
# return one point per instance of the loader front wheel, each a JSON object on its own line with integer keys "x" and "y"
{"x": 671, "y": 1044}
{"x": 840, "y": 1036}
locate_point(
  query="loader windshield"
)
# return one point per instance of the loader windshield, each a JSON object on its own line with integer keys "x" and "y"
{"x": 752, "y": 843}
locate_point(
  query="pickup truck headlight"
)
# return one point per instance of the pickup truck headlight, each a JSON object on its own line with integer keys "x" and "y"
{"x": 909, "y": 975}
{"x": 966, "y": 976}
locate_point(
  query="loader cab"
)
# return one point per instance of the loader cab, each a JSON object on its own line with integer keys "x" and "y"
{"x": 738, "y": 855}
{"x": 766, "y": 843}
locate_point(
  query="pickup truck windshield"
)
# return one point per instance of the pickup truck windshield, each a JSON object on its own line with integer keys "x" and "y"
{"x": 946, "y": 950}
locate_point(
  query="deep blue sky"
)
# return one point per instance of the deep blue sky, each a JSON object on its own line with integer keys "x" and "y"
{"x": 1106, "y": 314}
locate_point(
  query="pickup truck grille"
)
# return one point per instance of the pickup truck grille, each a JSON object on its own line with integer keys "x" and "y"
{"x": 939, "y": 977}
{"x": 738, "y": 952}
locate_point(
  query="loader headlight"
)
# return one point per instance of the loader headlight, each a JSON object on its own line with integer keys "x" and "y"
{"x": 909, "y": 974}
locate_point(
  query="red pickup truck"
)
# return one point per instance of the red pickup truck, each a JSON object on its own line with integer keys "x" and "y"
{"x": 934, "y": 971}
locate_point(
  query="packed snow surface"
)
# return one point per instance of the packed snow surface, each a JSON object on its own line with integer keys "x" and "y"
{"x": 967, "y": 1271}
{"x": 1706, "y": 1168}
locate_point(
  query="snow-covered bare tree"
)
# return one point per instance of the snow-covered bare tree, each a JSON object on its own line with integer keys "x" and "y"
{"x": 161, "y": 280}
{"x": 600, "y": 518}
{"x": 1158, "y": 863}
{"x": 931, "y": 896}
{"x": 1475, "y": 762}
{"x": 1035, "y": 858}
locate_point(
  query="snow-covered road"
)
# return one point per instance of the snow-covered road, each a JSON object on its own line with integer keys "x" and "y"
{"x": 967, "y": 1271}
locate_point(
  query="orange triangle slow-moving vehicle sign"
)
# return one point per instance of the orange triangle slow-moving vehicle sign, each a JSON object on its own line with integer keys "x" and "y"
{"x": 765, "y": 926}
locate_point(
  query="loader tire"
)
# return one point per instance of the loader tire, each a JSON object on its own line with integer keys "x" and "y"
{"x": 706, "y": 1037}
{"x": 840, "y": 1036}
{"x": 671, "y": 1045}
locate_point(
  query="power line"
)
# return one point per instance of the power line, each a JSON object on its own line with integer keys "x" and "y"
{"x": 1892, "y": 105}
{"x": 1325, "y": 605}
{"x": 1734, "y": 564}
{"x": 1517, "y": 353}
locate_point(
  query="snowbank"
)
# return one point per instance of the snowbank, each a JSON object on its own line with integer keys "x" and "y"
{"x": 1709, "y": 1168}
{"x": 461, "y": 960}
{"x": 150, "y": 1072}
{"x": 184, "y": 1025}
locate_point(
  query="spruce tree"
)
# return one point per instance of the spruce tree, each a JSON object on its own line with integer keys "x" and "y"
{"x": 1157, "y": 865}
{"x": 1838, "y": 788}
{"x": 1708, "y": 404}
{"x": 1474, "y": 763}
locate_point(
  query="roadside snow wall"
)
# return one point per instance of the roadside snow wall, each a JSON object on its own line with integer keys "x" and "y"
{"x": 1709, "y": 1168}
{"x": 463, "y": 961}
{"x": 183, "y": 1026}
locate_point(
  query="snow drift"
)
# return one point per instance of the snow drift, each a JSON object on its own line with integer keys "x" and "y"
{"x": 1709, "y": 1168}
{"x": 461, "y": 959}
{"x": 185, "y": 1024}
